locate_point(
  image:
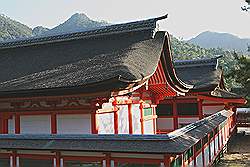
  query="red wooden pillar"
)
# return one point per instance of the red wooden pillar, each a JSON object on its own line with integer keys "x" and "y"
{"x": 175, "y": 115}
{"x": 94, "y": 128}
{"x": 53, "y": 123}
{"x": 115, "y": 117}
{"x": 108, "y": 160}
{"x": 200, "y": 111}
{"x": 194, "y": 155}
{"x": 116, "y": 122}
{"x": 142, "y": 120}
{"x": 17, "y": 123}
{"x": 14, "y": 159}
{"x": 209, "y": 149}
{"x": 203, "y": 156}
{"x": 4, "y": 124}
{"x": 130, "y": 119}
{"x": 166, "y": 160}
{"x": 58, "y": 161}
{"x": 154, "y": 120}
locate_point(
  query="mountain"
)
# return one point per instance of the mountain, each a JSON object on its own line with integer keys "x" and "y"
{"x": 11, "y": 29}
{"x": 39, "y": 30}
{"x": 77, "y": 22}
{"x": 221, "y": 40}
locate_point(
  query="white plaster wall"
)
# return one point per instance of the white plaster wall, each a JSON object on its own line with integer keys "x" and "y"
{"x": 105, "y": 123}
{"x": 199, "y": 160}
{"x": 216, "y": 144}
{"x": 123, "y": 125}
{"x": 165, "y": 123}
{"x": 35, "y": 124}
{"x": 148, "y": 127}
{"x": 74, "y": 124}
{"x": 11, "y": 125}
{"x": 212, "y": 109}
{"x": 136, "y": 116}
{"x": 187, "y": 120}
{"x": 206, "y": 155}
{"x": 212, "y": 149}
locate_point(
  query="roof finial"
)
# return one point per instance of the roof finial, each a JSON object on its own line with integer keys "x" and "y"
{"x": 162, "y": 17}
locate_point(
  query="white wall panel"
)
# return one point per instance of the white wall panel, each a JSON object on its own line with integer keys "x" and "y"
{"x": 216, "y": 144}
{"x": 105, "y": 123}
{"x": 35, "y": 124}
{"x": 187, "y": 120}
{"x": 136, "y": 116}
{"x": 212, "y": 149}
{"x": 123, "y": 125}
{"x": 149, "y": 127}
{"x": 199, "y": 160}
{"x": 212, "y": 109}
{"x": 11, "y": 125}
{"x": 206, "y": 155}
{"x": 74, "y": 124}
{"x": 165, "y": 123}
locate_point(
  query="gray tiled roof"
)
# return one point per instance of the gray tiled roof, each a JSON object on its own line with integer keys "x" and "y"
{"x": 126, "y": 53}
{"x": 175, "y": 142}
{"x": 202, "y": 73}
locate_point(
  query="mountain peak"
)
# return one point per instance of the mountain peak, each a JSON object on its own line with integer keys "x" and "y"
{"x": 79, "y": 16}
{"x": 227, "y": 41}
{"x": 76, "y": 23}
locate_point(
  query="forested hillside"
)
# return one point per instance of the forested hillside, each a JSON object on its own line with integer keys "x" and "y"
{"x": 183, "y": 50}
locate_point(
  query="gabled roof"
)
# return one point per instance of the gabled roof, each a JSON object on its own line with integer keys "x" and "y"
{"x": 204, "y": 74}
{"x": 114, "y": 57}
{"x": 207, "y": 77}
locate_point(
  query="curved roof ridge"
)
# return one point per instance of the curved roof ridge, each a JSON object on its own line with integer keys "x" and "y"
{"x": 148, "y": 24}
{"x": 197, "y": 62}
{"x": 178, "y": 84}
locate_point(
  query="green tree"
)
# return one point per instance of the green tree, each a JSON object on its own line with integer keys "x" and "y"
{"x": 240, "y": 73}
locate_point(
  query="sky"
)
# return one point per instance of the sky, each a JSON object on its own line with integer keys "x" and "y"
{"x": 187, "y": 18}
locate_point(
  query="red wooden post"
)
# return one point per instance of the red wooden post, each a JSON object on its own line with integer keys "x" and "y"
{"x": 94, "y": 107}
{"x": 175, "y": 115}
{"x": 116, "y": 122}
{"x": 200, "y": 111}
{"x": 108, "y": 160}
{"x": 130, "y": 119}
{"x": 14, "y": 159}
{"x": 17, "y": 124}
{"x": 4, "y": 124}
{"x": 53, "y": 124}
{"x": 203, "y": 156}
{"x": 1, "y": 124}
{"x": 93, "y": 123}
{"x": 166, "y": 160}
{"x": 154, "y": 120}
{"x": 142, "y": 121}
{"x": 194, "y": 151}
{"x": 58, "y": 162}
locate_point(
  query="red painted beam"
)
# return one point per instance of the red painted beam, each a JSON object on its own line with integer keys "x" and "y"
{"x": 239, "y": 100}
